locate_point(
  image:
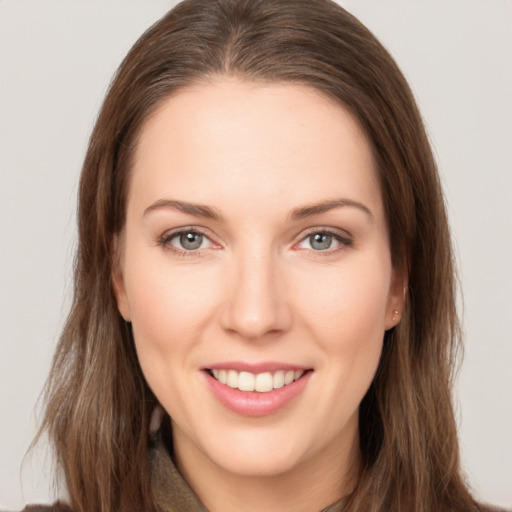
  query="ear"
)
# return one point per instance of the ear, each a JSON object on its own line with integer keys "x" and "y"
{"x": 118, "y": 283}
{"x": 396, "y": 298}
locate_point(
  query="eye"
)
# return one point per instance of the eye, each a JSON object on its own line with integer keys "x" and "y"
{"x": 186, "y": 241}
{"x": 324, "y": 241}
{"x": 320, "y": 241}
{"x": 190, "y": 241}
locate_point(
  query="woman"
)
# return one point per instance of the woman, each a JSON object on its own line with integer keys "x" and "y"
{"x": 264, "y": 291}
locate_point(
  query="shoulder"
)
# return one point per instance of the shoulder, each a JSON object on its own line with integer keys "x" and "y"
{"x": 58, "y": 506}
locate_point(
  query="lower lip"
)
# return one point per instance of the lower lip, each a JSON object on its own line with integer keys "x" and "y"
{"x": 253, "y": 403}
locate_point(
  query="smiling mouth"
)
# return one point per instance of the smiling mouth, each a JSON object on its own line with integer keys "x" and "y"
{"x": 260, "y": 382}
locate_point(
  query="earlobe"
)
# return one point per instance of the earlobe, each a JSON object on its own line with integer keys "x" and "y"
{"x": 396, "y": 299}
{"x": 118, "y": 283}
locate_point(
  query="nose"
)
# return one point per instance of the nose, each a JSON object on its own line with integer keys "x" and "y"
{"x": 256, "y": 305}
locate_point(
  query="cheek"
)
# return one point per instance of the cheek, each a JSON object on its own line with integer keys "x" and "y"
{"x": 347, "y": 321}
{"x": 351, "y": 301}
{"x": 346, "y": 314}
{"x": 169, "y": 307}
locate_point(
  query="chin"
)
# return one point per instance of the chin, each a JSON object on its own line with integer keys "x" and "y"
{"x": 266, "y": 453}
{"x": 261, "y": 464}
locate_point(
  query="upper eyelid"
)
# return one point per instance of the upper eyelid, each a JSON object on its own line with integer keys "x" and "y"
{"x": 187, "y": 229}
{"x": 343, "y": 233}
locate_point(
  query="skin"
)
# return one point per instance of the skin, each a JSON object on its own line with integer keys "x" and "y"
{"x": 258, "y": 289}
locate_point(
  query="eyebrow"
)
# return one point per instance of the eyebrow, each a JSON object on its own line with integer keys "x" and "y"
{"x": 200, "y": 210}
{"x": 325, "y": 206}
{"x": 197, "y": 210}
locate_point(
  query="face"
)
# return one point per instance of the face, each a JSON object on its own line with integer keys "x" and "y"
{"x": 255, "y": 269}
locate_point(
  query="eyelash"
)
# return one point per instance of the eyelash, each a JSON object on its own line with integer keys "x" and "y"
{"x": 344, "y": 241}
{"x": 165, "y": 241}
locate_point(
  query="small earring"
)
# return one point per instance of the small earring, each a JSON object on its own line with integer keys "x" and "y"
{"x": 396, "y": 312}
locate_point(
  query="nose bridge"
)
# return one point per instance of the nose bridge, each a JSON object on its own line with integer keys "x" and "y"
{"x": 256, "y": 305}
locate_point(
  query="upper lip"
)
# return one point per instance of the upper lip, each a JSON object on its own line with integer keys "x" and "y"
{"x": 264, "y": 366}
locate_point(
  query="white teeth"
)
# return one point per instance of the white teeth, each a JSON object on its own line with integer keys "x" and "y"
{"x": 278, "y": 379}
{"x": 264, "y": 382}
{"x": 289, "y": 377}
{"x": 232, "y": 380}
{"x": 261, "y": 382}
{"x": 246, "y": 381}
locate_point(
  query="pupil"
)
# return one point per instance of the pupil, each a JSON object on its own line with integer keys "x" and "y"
{"x": 191, "y": 241}
{"x": 320, "y": 241}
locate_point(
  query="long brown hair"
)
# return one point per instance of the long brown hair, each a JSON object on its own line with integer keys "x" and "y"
{"x": 98, "y": 403}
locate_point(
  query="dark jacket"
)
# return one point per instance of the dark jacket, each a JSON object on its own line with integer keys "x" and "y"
{"x": 172, "y": 494}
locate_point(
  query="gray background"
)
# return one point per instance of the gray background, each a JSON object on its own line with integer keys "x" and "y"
{"x": 56, "y": 59}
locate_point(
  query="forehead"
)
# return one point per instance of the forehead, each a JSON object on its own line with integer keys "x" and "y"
{"x": 262, "y": 141}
